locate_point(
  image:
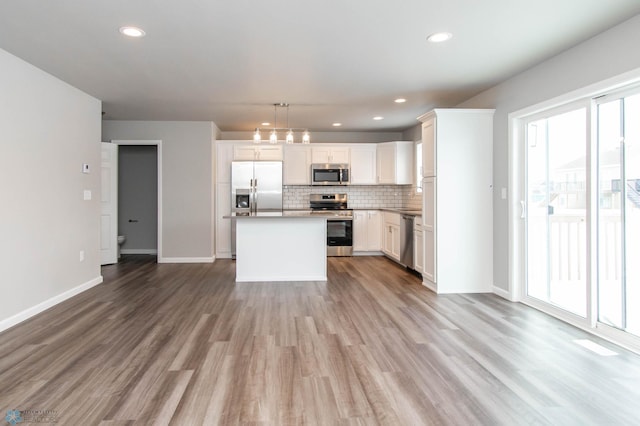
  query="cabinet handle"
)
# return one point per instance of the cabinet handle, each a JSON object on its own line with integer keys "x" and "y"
{"x": 522, "y": 209}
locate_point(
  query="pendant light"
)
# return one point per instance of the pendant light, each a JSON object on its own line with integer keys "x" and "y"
{"x": 290, "y": 132}
{"x": 273, "y": 137}
{"x": 289, "y": 138}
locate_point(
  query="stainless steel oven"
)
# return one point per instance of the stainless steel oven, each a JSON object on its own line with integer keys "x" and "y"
{"x": 339, "y": 236}
{"x": 339, "y": 222}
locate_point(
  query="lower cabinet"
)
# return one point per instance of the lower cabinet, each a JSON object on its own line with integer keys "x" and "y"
{"x": 418, "y": 248}
{"x": 223, "y": 226}
{"x": 367, "y": 226}
{"x": 391, "y": 235}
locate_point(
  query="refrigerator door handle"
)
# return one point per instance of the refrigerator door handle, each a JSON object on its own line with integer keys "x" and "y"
{"x": 255, "y": 195}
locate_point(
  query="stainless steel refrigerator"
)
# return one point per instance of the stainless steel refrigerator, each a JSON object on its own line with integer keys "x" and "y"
{"x": 256, "y": 186}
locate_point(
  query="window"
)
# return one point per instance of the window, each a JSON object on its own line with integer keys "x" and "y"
{"x": 576, "y": 214}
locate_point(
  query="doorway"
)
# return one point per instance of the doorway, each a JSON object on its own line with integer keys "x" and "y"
{"x": 110, "y": 187}
{"x": 138, "y": 199}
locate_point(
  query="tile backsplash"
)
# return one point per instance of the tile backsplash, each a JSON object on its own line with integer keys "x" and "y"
{"x": 360, "y": 196}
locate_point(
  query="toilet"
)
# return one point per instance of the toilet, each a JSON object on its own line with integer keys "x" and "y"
{"x": 121, "y": 240}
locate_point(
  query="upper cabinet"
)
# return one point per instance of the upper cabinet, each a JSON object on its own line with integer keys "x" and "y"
{"x": 257, "y": 152}
{"x": 429, "y": 147}
{"x": 363, "y": 164}
{"x": 330, "y": 154}
{"x": 224, "y": 156}
{"x": 297, "y": 165}
{"x": 395, "y": 163}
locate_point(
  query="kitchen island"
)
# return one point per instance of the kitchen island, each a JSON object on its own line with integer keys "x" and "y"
{"x": 280, "y": 246}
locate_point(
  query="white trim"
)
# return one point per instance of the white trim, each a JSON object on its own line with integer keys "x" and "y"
{"x": 186, "y": 259}
{"x": 619, "y": 337}
{"x": 368, "y": 253}
{"x": 593, "y": 90}
{"x": 284, "y": 278}
{"x": 138, "y": 251}
{"x": 157, "y": 143}
{"x": 43, "y": 306}
{"x": 431, "y": 286}
{"x": 505, "y": 294}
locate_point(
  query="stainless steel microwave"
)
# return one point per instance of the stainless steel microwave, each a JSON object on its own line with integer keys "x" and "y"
{"x": 329, "y": 174}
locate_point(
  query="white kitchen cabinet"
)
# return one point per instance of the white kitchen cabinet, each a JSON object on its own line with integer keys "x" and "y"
{"x": 257, "y": 152}
{"x": 391, "y": 235}
{"x": 429, "y": 148}
{"x": 395, "y": 163}
{"x": 457, "y": 200}
{"x": 297, "y": 165}
{"x": 363, "y": 164}
{"x": 330, "y": 154}
{"x": 429, "y": 229}
{"x": 224, "y": 157}
{"x": 223, "y": 226}
{"x": 367, "y": 226}
{"x": 374, "y": 230}
{"x": 418, "y": 245}
{"x": 360, "y": 230}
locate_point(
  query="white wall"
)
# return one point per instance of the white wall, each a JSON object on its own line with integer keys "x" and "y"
{"x": 187, "y": 182}
{"x": 604, "y": 56}
{"x": 48, "y": 129}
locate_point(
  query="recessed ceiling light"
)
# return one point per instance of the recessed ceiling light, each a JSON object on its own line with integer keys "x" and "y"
{"x": 337, "y": 124}
{"x": 378, "y": 118}
{"x": 439, "y": 37}
{"x": 266, "y": 123}
{"x": 400, "y": 100}
{"x": 132, "y": 31}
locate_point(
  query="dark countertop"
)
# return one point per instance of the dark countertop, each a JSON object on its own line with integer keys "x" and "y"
{"x": 399, "y": 210}
{"x": 283, "y": 214}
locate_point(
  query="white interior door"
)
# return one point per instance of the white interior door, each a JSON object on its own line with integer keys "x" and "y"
{"x": 109, "y": 212}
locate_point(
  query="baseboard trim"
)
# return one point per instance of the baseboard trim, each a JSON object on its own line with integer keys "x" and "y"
{"x": 43, "y": 306}
{"x": 187, "y": 259}
{"x": 368, "y": 253}
{"x": 428, "y": 284}
{"x": 505, "y": 294}
{"x": 138, "y": 251}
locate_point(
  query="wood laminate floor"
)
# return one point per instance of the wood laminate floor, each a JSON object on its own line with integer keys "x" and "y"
{"x": 186, "y": 345}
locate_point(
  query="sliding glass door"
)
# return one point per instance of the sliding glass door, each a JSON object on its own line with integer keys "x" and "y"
{"x": 619, "y": 212}
{"x": 556, "y": 210}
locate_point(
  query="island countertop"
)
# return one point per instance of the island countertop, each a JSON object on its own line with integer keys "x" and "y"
{"x": 282, "y": 214}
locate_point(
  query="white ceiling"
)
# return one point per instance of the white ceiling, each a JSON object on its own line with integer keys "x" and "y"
{"x": 332, "y": 60}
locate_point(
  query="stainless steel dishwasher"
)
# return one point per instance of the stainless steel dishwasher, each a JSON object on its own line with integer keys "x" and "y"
{"x": 406, "y": 240}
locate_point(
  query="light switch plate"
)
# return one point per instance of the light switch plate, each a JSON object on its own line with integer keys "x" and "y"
{"x": 87, "y": 194}
{"x": 504, "y": 193}
{"x": 85, "y": 168}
